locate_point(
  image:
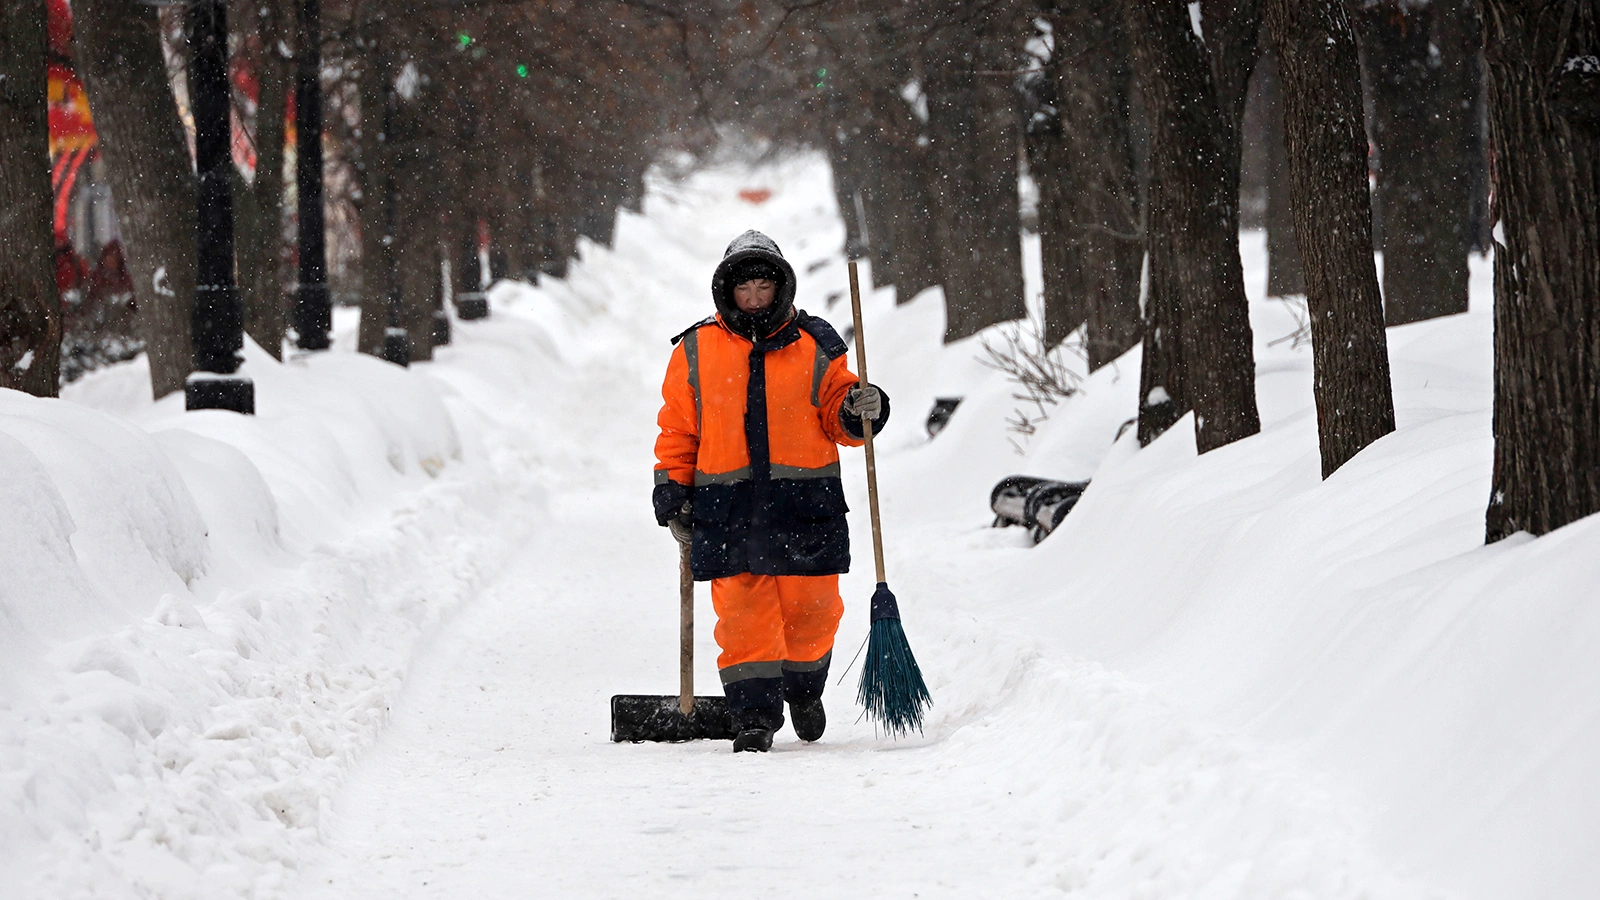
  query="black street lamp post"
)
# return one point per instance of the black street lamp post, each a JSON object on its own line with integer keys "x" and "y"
{"x": 218, "y": 313}
{"x": 313, "y": 313}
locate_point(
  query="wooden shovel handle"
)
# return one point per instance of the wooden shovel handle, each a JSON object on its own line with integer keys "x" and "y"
{"x": 685, "y": 632}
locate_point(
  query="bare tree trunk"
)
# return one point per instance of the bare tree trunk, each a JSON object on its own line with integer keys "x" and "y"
{"x": 1189, "y": 157}
{"x": 419, "y": 282}
{"x": 1063, "y": 206}
{"x": 529, "y": 212}
{"x": 151, "y": 174}
{"x": 898, "y": 207}
{"x": 372, "y": 165}
{"x": 973, "y": 127}
{"x": 1253, "y": 151}
{"x": 848, "y": 163}
{"x": 1333, "y": 215}
{"x": 1544, "y": 123}
{"x": 1461, "y": 31}
{"x": 1114, "y": 244}
{"x": 1163, "y": 395}
{"x": 1231, "y": 29}
{"x": 1286, "y": 273}
{"x": 259, "y": 212}
{"x": 30, "y": 308}
{"x": 1422, "y": 188}
{"x": 1094, "y": 199}
{"x": 416, "y": 236}
{"x": 556, "y": 202}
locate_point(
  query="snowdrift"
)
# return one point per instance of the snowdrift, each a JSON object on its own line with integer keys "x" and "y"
{"x": 204, "y": 616}
{"x": 1355, "y": 630}
{"x": 1221, "y": 677}
{"x": 1431, "y": 693}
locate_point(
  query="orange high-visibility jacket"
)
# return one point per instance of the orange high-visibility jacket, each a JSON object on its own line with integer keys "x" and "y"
{"x": 753, "y": 428}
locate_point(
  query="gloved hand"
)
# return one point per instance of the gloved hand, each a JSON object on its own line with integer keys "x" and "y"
{"x": 668, "y": 499}
{"x": 864, "y": 400}
{"x": 682, "y": 524}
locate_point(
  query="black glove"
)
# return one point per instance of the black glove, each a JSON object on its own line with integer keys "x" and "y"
{"x": 860, "y": 400}
{"x": 669, "y": 498}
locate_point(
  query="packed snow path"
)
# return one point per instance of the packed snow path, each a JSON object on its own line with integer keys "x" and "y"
{"x": 362, "y": 644}
{"x": 496, "y": 777}
{"x": 1036, "y": 775}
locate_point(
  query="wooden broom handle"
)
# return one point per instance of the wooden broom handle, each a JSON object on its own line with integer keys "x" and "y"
{"x": 685, "y": 632}
{"x": 866, "y": 425}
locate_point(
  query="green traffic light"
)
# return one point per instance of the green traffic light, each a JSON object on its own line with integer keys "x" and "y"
{"x": 464, "y": 38}
{"x": 522, "y": 71}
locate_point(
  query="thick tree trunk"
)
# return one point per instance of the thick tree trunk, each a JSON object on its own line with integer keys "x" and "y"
{"x": 1253, "y": 152}
{"x": 1544, "y": 125}
{"x": 897, "y": 205}
{"x": 418, "y": 258}
{"x": 973, "y": 127}
{"x": 1461, "y": 31}
{"x": 1063, "y": 206}
{"x": 259, "y": 212}
{"x": 372, "y": 166}
{"x": 1114, "y": 241}
{"x": 1286, "y": 275}
{"x": 523, "y": 233}
{"x": 1333, "y": 215}
{"x": 847, "y": 160}
{"x": 454, "y": 191}
{"x": 1189, "y": 157}
{"x": 1231, "y": 29}
{"x": 560, "y": 198}
{"x": 30, "y": 309}
{"x": 152, "y": 177}
{"x": 1098, "y": 192}
{"x": 466, "y": 269}
{"x": 1422, "y": 186}
{"x": 416, "y": 235}
{"x": 1163, "y": 397}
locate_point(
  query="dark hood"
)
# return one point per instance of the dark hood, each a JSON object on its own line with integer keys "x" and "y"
{"x": 753, "y": 245}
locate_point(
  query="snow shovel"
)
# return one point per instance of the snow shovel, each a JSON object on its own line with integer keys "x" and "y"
{"x": 684, "y": 717}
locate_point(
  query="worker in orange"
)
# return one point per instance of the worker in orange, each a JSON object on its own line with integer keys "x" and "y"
{"x": 757, "y": 399}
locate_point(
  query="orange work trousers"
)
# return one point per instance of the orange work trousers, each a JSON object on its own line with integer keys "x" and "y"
{"x": 767, "y": 624}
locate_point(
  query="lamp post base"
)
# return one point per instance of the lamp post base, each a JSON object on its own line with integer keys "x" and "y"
{"x": 209, "y": 390}
{"x": 473, "y": 306}
{"x": 397, "y": 346}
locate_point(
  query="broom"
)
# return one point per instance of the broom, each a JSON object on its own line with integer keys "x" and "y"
{"x": 891, "y": 689}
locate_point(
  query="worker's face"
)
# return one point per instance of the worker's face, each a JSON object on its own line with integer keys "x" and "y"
{"x": 754, "y": 295}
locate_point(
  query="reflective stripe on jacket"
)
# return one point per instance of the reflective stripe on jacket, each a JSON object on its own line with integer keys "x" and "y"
{"x": 753, "y": 428}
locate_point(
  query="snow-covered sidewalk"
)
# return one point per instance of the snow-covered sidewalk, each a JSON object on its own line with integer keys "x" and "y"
{"x": 362, "y": 644}
{"x": 1037, "y": 776}
{"x": 1039, "y": 773}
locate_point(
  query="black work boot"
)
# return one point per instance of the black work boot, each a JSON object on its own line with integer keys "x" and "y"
{"x": 803, "y": 683}
{"x": 810, "y": 719}
{"x": 753, "y": 740}
{"x": 756, "y": 705}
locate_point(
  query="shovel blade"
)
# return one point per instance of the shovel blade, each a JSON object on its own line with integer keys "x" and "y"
{"x": 652, "y": 717}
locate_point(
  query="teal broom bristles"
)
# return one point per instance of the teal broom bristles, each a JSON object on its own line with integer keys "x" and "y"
{"x": 891, "y": 689}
